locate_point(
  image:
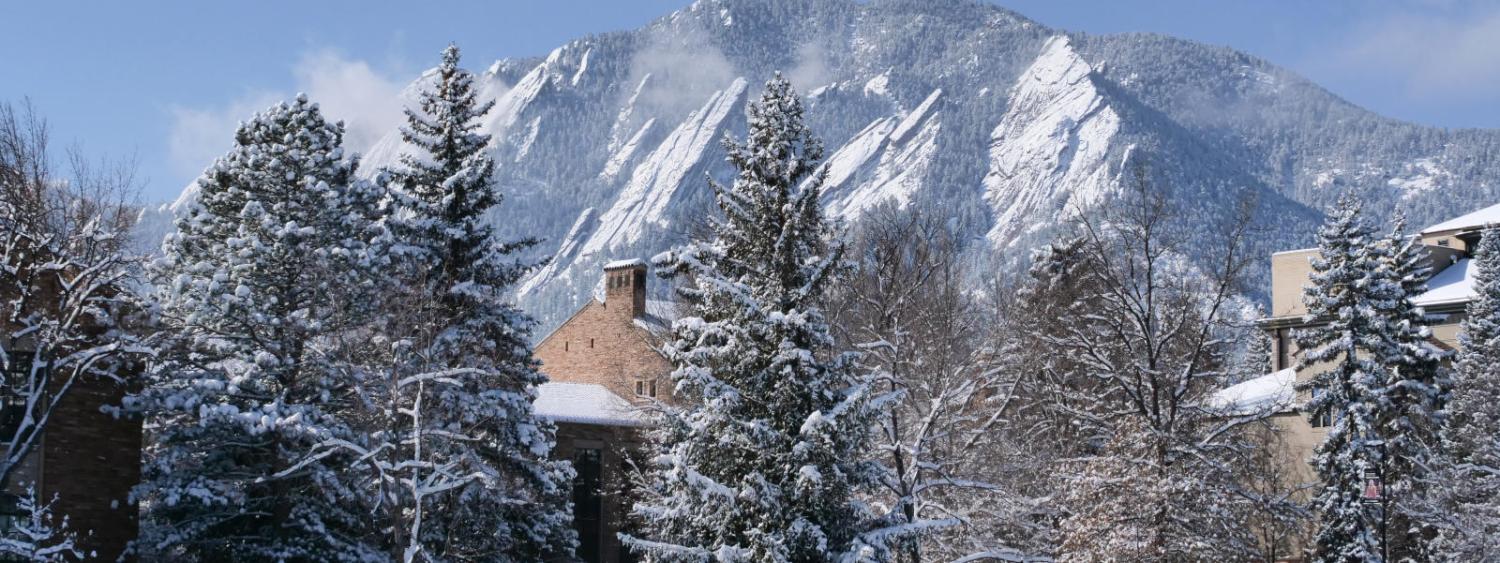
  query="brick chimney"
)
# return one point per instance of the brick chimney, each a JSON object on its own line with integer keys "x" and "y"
{"x": 625, "y": 286}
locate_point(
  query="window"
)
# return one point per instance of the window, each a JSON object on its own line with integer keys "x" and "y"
{"x": 12, "y": 393}
{"x": 565, "y": 346}
{"x": 591, "y": 343}
{"x": 1443, "y": 242}
{"x": 645, "y": 388}
{"x": 10, "y": 512}
{"x": 1320, "y": 420}
{"x": 1282, "y": 358}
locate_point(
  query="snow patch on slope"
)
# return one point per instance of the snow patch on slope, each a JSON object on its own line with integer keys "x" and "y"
{"x": 508, "y": 106}
{"x": 564, "y": 255}
{"x": 878, "y": 86}
{"x": 1418, "y": 176}
{"x": 622, "y": 155}
{"x": 646, "y": 198}
{"x": 1049, "y": 154}
{"x": 886, "y": 161}
{"x": 583, "y": 66}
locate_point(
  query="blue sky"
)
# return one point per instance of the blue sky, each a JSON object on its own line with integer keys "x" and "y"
{"x": 165, "y": 81}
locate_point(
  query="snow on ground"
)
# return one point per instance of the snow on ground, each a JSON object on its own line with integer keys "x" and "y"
{"x": 531, "y": 133}
{"x": 1275, "y": 392}
{"x": 1050, "y": 151}
{"x": 1455, "y": 284}
{"x": 585, "y": 403}
{"x": 508, "y": 106}
{"x": 557, "y": 266}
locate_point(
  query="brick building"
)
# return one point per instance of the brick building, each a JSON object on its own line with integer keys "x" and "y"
{"x": 604, "y": 366}
{"x": 83, "y": 458}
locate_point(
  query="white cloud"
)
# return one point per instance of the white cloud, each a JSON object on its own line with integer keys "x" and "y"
{"x": 366, "y": 99}
{"x": 369, "y": 102}
{"x": 198, "y": 136}
{"x": 1445, "y": 52}
{"x": 811, "y": 70}
{"x": 685, "y": 69}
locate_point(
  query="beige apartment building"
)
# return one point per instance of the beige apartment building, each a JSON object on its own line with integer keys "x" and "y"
{"x": 1448, "y": 245}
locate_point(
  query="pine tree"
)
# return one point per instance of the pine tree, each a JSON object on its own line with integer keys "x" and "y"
{"x": 1350, "y": 295}
{"x": 1467, "y": 489}
{"x": 1413, "y": 395}
{"x": 267, "y": 270}
{"x": 763, "y": 462}
{"x": 476, "y": 421}
{"x": 1257, "y": 359}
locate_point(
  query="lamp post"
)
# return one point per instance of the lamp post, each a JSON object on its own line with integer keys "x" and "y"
{"x": 1374, "y": 497}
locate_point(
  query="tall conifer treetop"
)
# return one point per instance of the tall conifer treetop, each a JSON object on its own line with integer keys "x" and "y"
{"x": 480, "y": 420}
{"x": 269, "y": 264}
{"x": 1376, "y": 380}
{"x": 766, "y": 459}
{"x": 1467, "y": 489}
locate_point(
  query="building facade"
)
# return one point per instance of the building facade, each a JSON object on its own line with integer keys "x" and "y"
{"x": 1448, "y": 246}
{"x": 605, "y": 371}
{"x": 84, "y": 461}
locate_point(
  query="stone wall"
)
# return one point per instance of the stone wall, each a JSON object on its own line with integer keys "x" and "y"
{"x": 609, "y": 343}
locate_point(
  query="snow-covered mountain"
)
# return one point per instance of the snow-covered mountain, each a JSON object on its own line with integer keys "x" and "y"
{"x": 604, "y": 145}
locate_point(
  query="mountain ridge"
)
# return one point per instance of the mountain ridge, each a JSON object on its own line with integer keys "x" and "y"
{"x": 603, "y": 147}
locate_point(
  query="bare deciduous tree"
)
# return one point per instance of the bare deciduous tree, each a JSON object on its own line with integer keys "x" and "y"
{"x": 65, "y": 275}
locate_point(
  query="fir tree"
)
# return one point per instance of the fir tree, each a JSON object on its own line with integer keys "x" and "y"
{"x": 515, "y": 506}
{"x": 1467, "y": 489}
{"x": 1413, "y": 396}
{"x": 266, "y": 269}
{"x": 1350, "y": 295}
{"x": 763, "y": 463}
{"x": 1256, "y": 361}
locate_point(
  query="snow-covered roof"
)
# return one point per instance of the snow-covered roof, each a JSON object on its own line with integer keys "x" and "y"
{"x": 1275, "y": 392}
{"x": 1478, "y": 219}
{"x": 633, "y": 262}
{"x": 585, "y": 403}
{"x": 1455, "y": 284}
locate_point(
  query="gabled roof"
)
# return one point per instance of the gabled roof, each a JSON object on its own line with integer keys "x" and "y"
{"x": 585, "y": 403}
{"x": 1477, "y": 220}
{"x": 1274, "y": 392}
{"x": 1455, "y": 284}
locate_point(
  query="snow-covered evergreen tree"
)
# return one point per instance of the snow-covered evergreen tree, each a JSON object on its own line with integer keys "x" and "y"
{"x": 475, "y": 420}
{"x": 1466, "y": 490}
{"x": 268, "y": 269}
{"x": 1257, "y": 356}
{"x": 1414, "y": 394}
{"x": 765, "y": 460}
{"x": 1351, "y": 298}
